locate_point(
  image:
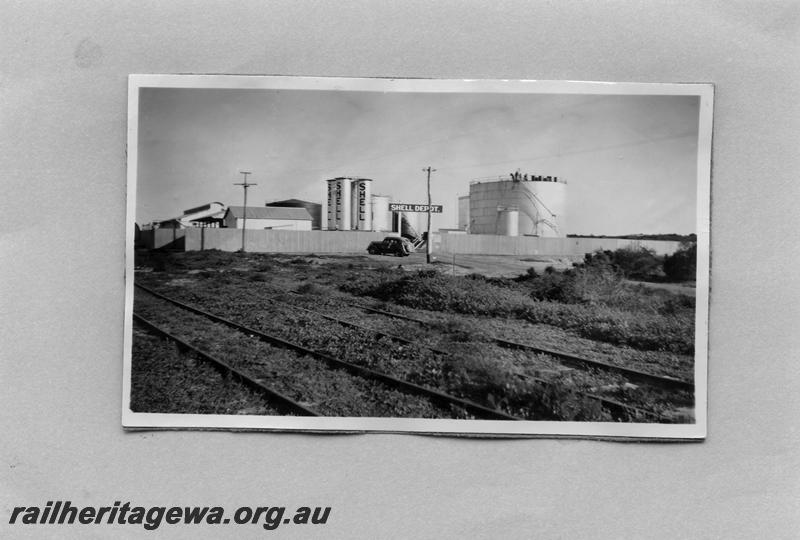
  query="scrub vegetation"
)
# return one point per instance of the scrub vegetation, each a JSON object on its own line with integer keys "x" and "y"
{"x": 594, "y": 300}
{"x": 592, "y": 309}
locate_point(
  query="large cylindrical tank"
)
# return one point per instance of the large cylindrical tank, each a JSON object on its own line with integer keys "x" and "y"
{"x": 541, "y": 203}
{"x": 381, "y": 217}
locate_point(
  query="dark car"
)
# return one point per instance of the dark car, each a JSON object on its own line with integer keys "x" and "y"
{"x": 391, "y": 245}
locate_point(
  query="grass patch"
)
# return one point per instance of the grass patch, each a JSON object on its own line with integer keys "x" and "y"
{"x": 594, "y": 303}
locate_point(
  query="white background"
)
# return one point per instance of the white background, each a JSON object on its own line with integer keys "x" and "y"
{"x": 63, "y": 69}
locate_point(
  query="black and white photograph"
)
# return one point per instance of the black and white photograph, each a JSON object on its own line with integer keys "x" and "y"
{"x": 490, "y": 257}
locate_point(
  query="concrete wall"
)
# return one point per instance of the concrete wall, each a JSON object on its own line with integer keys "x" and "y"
{"x": 476, "y": 244}
{"x": 164, "y": 238}
{"x": 277, "y": 241}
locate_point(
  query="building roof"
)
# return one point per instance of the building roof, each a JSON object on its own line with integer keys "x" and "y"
{"x": 294, "y": 203}
{"x": 269, "y": 212}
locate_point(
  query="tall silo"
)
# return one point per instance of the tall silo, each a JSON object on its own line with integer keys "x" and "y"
{"x": 361, "y": 211}
{"x": 381, "y": 217}
{"x": 541, "y": 204}
{"x": 343, "y": 204}
{"x": 332, "y": 225}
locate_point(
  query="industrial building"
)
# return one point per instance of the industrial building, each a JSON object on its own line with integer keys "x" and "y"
{"x": 315, "y": 209}
{"x": 515, "y": 205}
{"x": 267, "y": 217}
{"x": 207, "y": 215}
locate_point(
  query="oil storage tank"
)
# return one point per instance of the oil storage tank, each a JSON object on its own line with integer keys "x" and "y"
{"x": 540, "y": 203}
{"x": 361, "y": 218}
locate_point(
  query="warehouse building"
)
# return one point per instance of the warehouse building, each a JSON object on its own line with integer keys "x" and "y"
{"x": 207, "y": 215}
{"x": 268, "y": 217}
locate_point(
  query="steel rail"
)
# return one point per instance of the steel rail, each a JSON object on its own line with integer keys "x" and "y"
{"x": 618, "y": 409}
{"x": 661, "y": 381}
{"x": 283, "y": 403}
{"x": 408, "y": 387}
{"x": 621, "y": 409}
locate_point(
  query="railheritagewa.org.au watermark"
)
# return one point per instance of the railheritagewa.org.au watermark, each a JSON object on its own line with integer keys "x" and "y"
{"x": 152, "y": 517}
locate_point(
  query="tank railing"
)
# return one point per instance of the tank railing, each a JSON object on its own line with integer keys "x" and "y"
{"x": 521, "y": 178}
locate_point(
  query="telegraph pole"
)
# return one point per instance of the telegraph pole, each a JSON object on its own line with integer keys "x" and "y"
{"x": 244, "y": 185}
{"x": 428, "y": 241}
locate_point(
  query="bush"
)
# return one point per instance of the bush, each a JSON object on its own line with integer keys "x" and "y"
{"x": 634, "y": 263}
{"x": 594, "y": 303}
{"x": 310, "y": 288}
{"x": 494, "y": 383}
{"x": 682, "y": 265}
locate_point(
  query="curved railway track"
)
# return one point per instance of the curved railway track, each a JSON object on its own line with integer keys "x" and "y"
{"x": 620, "y": 411}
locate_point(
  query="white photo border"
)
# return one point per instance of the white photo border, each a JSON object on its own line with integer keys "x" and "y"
{"x": 611, "y": 430}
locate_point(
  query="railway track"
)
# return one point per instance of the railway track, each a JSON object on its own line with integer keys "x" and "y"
{"x": 437, "y": 397}
{"x": 281, "y": 402}
{"x": 570, "y": 360}
{"x": 620, "y": 411}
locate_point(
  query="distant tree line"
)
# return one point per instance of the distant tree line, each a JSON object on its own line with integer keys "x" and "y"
{"x": 672, "y": 237}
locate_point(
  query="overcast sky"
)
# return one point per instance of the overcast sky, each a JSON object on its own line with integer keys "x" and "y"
{"x": 630, "y": 161}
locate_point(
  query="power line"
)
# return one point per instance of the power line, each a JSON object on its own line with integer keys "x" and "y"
{"x": 576, "y": 152}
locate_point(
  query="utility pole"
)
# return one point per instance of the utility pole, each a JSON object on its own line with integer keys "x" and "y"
{"x": 428, "y": 241}
{"x": 244, "y": 185}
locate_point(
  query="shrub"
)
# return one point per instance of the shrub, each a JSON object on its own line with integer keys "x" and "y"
{"x": 682, "y": 265}
{"x": 309, "y": 288}
{"x": 493, "y": 382}
{"x": 594, "y": 303}
{"x": 632, "y": 262}
{"x": 460, "y": 331}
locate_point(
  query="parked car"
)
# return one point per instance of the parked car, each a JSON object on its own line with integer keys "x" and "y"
{"x": 391, "y": 245}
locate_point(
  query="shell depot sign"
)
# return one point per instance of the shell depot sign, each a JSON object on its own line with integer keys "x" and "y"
{"x": 401, "y": 207}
